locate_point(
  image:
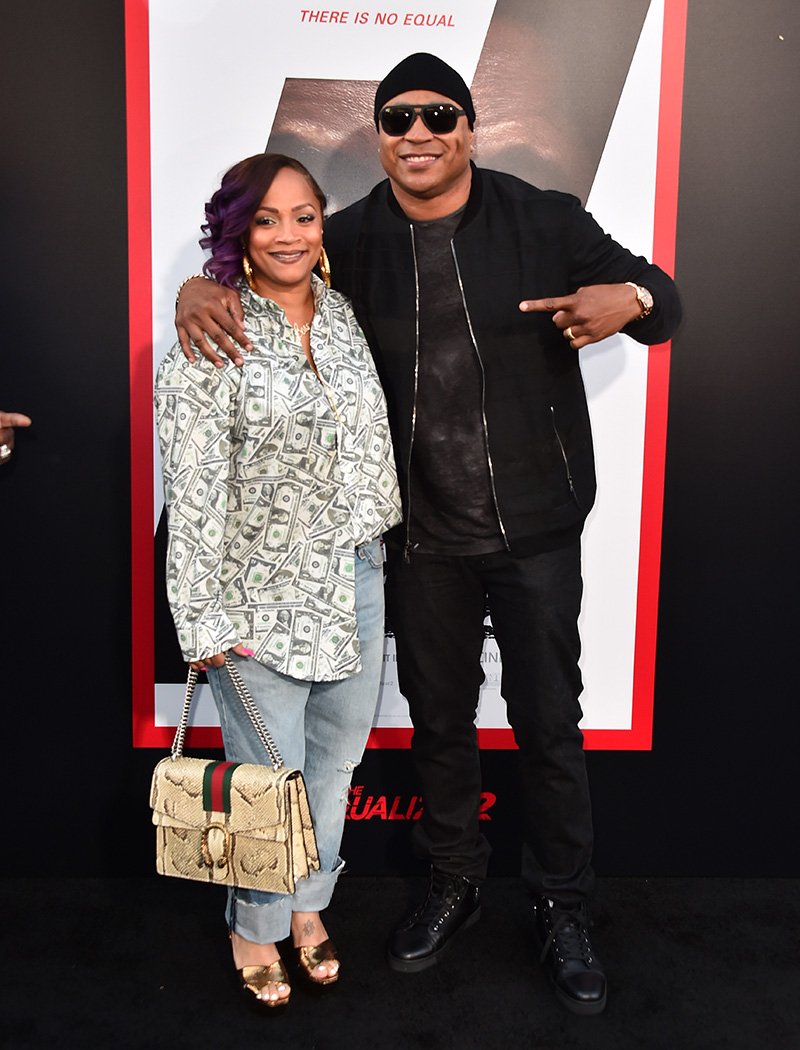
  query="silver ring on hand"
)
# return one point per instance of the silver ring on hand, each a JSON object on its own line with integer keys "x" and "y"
{"x": 5, "y": 451}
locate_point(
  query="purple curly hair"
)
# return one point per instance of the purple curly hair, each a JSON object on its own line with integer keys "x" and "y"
{"x": 232, "y": 207}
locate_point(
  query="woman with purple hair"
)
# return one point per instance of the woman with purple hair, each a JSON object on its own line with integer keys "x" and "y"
{"x": 279, "y": 481}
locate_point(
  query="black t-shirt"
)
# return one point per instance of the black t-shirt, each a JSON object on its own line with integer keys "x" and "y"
{"x": 451, "y": 505}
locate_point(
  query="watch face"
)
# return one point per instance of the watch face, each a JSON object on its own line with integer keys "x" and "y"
{"x": 645, "y": 298}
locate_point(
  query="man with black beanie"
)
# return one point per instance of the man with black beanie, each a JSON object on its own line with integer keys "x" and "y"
{"x": 494, "y": 451}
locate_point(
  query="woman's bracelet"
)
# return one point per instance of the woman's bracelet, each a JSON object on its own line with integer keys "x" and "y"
{"x": 191, "y": 278}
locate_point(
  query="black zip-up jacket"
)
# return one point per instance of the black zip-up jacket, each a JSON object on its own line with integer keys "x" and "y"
{"x": 514, "y": 242}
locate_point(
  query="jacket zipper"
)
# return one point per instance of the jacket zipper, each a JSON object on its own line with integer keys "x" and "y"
{"x": 408, "y": 545}
{"x": 483, "y": 397}
{"x": 564, "y": 456}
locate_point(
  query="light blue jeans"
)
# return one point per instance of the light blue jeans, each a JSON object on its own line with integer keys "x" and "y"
{"x": 319, "y": 727}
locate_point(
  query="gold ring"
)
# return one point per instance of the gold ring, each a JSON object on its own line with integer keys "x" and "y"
{"x": 568, "y": 333}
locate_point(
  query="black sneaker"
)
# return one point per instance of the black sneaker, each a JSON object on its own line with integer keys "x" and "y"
{"x": 574, "y": 970}
{"x": 452, "y": 904}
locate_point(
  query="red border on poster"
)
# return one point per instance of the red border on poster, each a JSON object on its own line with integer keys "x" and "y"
{"x": 145, "y": 733}
{"x": 140, "y": 312}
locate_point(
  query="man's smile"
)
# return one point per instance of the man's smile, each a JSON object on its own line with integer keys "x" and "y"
{"x": 419, "y": 159}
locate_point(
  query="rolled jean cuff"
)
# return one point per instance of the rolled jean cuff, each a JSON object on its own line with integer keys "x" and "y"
{"x": 268, "y": 923}
{"x": 315, "y": 892}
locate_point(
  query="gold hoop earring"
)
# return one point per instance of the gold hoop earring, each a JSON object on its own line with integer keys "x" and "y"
{"x": 325, "y": 267}
{"x": 248, "y": 271}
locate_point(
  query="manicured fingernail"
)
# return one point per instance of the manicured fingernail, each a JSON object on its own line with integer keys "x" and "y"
{"x": 247, "y": 652}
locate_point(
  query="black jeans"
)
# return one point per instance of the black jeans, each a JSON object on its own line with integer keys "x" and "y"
{"x": 436, "y": 605}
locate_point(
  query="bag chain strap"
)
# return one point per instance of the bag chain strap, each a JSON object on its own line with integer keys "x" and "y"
{"x": 248, "y": 703}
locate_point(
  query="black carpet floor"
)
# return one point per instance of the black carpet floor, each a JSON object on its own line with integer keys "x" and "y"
{"x": 693, "y": 964}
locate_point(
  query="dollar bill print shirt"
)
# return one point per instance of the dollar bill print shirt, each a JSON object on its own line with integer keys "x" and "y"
{"x": 272, "y": 478}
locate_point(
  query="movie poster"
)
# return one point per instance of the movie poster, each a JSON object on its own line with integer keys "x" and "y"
{"x": 581, "y": 97}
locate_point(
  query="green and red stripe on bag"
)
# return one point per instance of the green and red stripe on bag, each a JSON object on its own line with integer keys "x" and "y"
{"x": 232, "y": 823}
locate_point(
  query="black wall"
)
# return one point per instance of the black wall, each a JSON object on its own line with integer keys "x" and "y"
{"x": 716, "y": 794}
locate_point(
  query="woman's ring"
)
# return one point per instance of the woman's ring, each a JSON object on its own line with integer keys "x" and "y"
{"x": 568, "y": 333}
{"x": 5, "y": 451}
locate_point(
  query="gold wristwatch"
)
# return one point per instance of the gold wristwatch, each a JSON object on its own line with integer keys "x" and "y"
{"x": 643, "y": 297}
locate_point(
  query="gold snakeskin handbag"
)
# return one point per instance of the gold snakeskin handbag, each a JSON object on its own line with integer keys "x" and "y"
{"x": 231, "y": 823}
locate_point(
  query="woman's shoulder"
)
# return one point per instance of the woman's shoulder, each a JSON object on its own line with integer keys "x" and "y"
{"x": 173, "y": 361}
{"x": 176, "y": 372}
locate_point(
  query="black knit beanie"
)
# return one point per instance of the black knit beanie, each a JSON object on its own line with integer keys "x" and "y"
{"x": 423, "y": 72}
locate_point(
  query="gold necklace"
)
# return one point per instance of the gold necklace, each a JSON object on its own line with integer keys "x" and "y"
{"x": 301, "y": 329}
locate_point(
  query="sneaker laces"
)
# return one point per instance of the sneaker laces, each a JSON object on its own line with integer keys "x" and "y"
{"x": 442, "y": 890}
{"x": 568, "y": 935}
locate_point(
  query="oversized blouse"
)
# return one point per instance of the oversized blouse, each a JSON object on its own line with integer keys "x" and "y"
{"x": 273, "y": 477}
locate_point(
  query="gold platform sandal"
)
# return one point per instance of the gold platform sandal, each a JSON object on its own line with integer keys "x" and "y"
{"x": 257, "y": 979}
{"x": 310, "y": 956}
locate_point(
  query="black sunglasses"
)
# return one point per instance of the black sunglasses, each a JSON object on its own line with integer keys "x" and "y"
{"x": 440, "y": 118}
